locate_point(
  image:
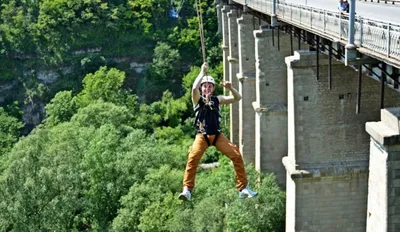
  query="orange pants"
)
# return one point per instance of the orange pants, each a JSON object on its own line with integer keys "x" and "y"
{"x": 223, "y": 145}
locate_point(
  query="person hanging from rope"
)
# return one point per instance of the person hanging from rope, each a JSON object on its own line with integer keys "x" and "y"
{"x": 207, "y": 123}
{"x": 173, "y": 13}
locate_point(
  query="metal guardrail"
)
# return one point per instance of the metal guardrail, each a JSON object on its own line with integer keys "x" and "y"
{"x": 379, "y": 37}
{"x": 382, "y": 1}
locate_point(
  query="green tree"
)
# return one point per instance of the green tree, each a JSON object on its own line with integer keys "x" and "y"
{"x": 59, "y": 23}
{"x": 17, "y": 26}
{"x": 103, "y": 85}
{"x": 101, "y": 113}
{"x": 71, "y": 176}
{"x": 41, "y": 188}
{"x": 170, "y": 134}
{"x": 61, "y": 108}
{"x": 153, "y": 206}
{"x": 10, "y": 128}
{"x": 143, "y": 207}
{"x": 165, "y": 61}
{"x": 173, "y": 109}
{"x": 149, "y": 17}
{"x": 264, "y": 213}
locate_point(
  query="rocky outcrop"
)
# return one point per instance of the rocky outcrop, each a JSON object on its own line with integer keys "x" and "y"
{"x": 34, "y": 112}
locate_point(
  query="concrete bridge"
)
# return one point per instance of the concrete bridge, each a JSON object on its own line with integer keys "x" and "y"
{"x": 318, "y": 112}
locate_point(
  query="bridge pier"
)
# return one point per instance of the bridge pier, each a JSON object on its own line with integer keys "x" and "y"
{"x": 247, "y": 83}
{"x": 327, "y": 162}
{"x": 324, "y": 170}
{"x": 271, "y": 103}
{"x": 233, "y": 60}
{"x": 225, "y": 42}
{"x": 218, "y": 7}
{"x": 384, "y": 173}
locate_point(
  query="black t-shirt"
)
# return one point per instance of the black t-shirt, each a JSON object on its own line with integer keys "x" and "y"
{"x": 207, "y": 117}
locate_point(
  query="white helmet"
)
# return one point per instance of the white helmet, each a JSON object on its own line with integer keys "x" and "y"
{"x": 208, "y": 79}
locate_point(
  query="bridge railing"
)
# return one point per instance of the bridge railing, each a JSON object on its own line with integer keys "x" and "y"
{"x": 379, "y": 37}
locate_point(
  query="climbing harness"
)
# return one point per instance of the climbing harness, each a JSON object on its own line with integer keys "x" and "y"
{"x": 208, "y": 119}
{"x": 208, "y": 140}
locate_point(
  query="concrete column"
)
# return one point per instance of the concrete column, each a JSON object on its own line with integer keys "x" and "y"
{"x": 233, "y": 60}
{"x": 384, "y": 173}
{"x": 218, "y": 6}
{"x": 247, "y": 83}
{"x": 327, "y": 162}
{"x": 271, "y": 103}
{"x": 225, "y": 42}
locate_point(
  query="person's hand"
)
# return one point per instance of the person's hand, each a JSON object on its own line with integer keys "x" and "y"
{"x": 226, "y": 84}
{"x": 204, "y": 67}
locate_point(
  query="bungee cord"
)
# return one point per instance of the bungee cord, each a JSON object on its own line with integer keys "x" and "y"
{"x": 206, "y": 96}
{"x": 201, "y": 30}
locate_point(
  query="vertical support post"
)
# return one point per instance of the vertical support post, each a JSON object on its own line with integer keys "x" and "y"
{"x": 225, "y": 43}
{"x": 340, "y": 26}
{"x": 233, "y": 60}
{"x": 330, "y": 65}
{"x": 383, "y": 80}
{"x": 274, "y": 20}
{"x": 247, "y": 84}
{"x": 388, "y": 40}
{"x": 291, "y": 39}
{"x": 271, "y": 127}
{"x": 358, "y": 106}
{"x": 218, "y": 7}
{"x": 254, "y": 23}
{"x": 351, "y": 52}
{"x": 299, "y": 39}
{"x": 361, "y": 31}
{"x": 317, "y": 45}
{"x": 273, "y": 36}
{"x": 291, "y": 12}
{"x": 279, "y": 44}
{"x": 352, "y": 19}
{"x": 301, "y": 10}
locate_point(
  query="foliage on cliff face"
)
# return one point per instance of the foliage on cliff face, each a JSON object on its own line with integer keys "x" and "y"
{"x": 50, "y": 30}
{"x": 9, "y": 131}
{"x": 70, "y": 38}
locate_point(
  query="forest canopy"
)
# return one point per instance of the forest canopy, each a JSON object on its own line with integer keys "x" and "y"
{"x": 96, "y": 165}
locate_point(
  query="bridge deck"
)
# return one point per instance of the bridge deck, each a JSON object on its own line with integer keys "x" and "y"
{"x": 379, "y": 39}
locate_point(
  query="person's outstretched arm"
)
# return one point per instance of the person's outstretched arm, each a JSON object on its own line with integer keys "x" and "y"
{"x": 234, "y": 97}
{"x": 197, "y": 83}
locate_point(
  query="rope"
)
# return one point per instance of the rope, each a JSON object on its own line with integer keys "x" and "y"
{"x": 205, "y": 98}
{"x": 199, "y": 16}
{"x": 181, "y": 5}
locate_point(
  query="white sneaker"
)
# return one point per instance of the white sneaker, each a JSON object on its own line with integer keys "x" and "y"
{"x": 185, "y": 195}
{"x": 247, "y": 193}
